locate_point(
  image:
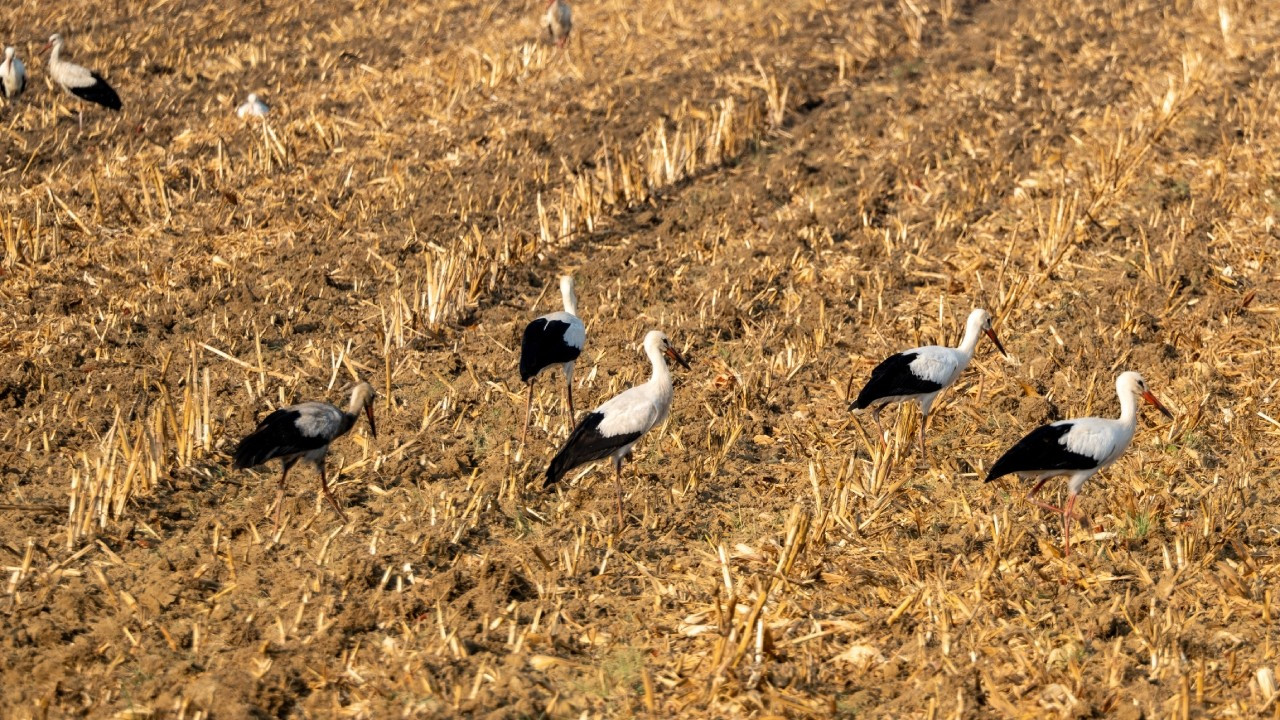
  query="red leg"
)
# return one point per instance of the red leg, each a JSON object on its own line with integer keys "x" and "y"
{"x": 924, "y": 451}
{"x": 1066, "y": 525}
{"x": 324, "y": 487}
{"x": 617, "y": 481}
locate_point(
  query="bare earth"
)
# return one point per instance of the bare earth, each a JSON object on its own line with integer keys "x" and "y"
{"x": 791, "y": 190}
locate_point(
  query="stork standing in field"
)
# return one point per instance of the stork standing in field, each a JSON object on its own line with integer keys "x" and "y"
{"x": 921, "y": 373}
{"x": 613, "y": 428}
{"x": 304, "y": 432}
{"x": 553, "y": 339}
{"x": 558, "y": 21}
{"x": 79, "y": 81}
{"x": 1076, "y": 448}
{"x": 253, "y": 107}
{"x": 13, "y": 76}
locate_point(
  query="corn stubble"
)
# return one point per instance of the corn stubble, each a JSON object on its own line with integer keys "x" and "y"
{"x": 790, "y": 190}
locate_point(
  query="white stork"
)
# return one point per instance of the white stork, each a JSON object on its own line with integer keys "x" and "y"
{"x": 553, "y": 339}
{"x": 921, "y": 373}
{"x": 613, "y": 428}
{"x": 253, "y": 107}
{"x": 1076, "y": 448}
{"x": 558, "y": 20}
{"x": 79, "y": 81}
{"x": 13, "y": 76}
{"x": 304, "y": 431}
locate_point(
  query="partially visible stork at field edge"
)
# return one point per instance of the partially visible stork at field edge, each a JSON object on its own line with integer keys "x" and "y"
{"x": 79, "y": 81}
{"x": 1076, "y": 448}
{"x": 253, "y": 107}
{"x": 558, "y": 21}
{"x": 304, "y": 432}
{"x": 13, "y": 76}
{"x": 921, "y": 373}
{"x": 613, "y": 428}
{"x": 553, "y": 339}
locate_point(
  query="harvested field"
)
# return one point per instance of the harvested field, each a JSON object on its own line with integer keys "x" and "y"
{"x": 792, "y": 191}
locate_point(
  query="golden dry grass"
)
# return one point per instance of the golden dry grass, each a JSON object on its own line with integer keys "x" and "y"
{"x": 791, "y": 190}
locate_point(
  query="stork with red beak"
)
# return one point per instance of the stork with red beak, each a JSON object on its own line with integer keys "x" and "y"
{"x": 922, "y": 373}
{"x": 612, "y": 429}
{"x": 1076, "y": 448}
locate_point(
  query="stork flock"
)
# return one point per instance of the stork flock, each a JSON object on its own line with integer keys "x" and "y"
{"x": 1076, "y": 449}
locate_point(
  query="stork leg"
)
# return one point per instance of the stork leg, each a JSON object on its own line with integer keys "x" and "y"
{"x": 279, "y": 503}
{"x": 324, "y": 487}
{"x": 528, "y": 412}
{"x": 1066, "y": 525}
{"x": 1045, "y": 506}
{"x": 875, "y": 415}
{"x": 924, "y": 449}
{"x": 617, "y": 482}
{"x": 568, "y": 384}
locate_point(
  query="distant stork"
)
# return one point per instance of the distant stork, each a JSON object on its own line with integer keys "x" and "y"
{"x": 79, "y": 81}
{"x": 13, "y": 76}
{"x": 921, "y": 373}
{"x": 558, "y": 21}
{"x": 253, "y": 107}
{"x": 1076, "y": 448}
{"x": 554, "y": 339}
{"x": 613, "y": 428}
{"x": 304, "y": 431}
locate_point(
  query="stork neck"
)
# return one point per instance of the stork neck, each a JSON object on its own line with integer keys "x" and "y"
{"x": 661, "y": 373}
{"x": 972, "y": 334}
{"x": 55, "y": 55}
{"x": 570, "y": 301}
{"x": 1128, "y": 406}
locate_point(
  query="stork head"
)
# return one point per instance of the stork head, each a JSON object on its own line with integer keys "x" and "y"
{"x": 657, "y": 343}
{"x": 980, "y": 321}
{"x": 55, "y": 41}
{"x": 253, "y": 98}
{"x": 1133, "y": 383}
{"x": 362, "y": 398}
{"x": 8, "y": 52}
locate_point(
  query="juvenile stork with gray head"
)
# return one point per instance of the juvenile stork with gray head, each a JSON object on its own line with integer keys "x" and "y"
{"x": 558, "y": 20}
{"x": 304, "y": 432}
{"x": 13, "y": 76}
{"x": 553, "y": 339}
{"x": 1076, "y": 448}
{"x": 613, "y": 428}
{"x": 79, "y": 81}
{"x": 922, "y": 373}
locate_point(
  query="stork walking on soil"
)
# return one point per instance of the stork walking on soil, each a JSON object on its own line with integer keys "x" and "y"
{"x": 79, "y": 81}
{"x": 304, "y": 431}
{"x": 613, "y": 428}
{"x": 553, "y": 339}
{"x": 558, "y": 20}
{"x": 921, "y": 373}
{"x": 1076, "y": 448}
{"x": 13, "y": 76}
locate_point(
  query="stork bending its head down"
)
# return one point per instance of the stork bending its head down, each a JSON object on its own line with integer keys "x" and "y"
{"x": 304, "y": 431}
{"x": 921, "y": 373}
{"x": 558, "y": 20}
{"x": 553, "y": 339}
{"x": 613, "y": 428}
{"x": 1076, "y": 448}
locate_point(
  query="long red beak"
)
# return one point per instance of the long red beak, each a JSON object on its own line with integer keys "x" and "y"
{"x": 674, "y": 354}
{"x": 368, "y": 412}
{"x": 1152, "y": 399}
{"x": 992, "y": 334}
